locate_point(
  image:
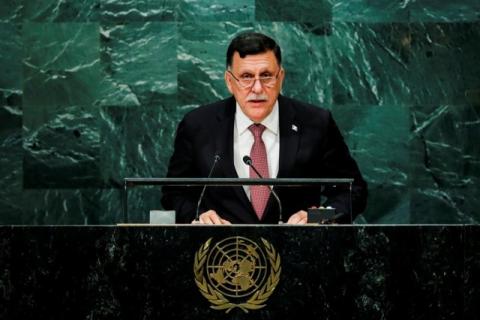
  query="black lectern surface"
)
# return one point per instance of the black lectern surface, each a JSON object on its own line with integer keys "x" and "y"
{"x": 240, "y": 272}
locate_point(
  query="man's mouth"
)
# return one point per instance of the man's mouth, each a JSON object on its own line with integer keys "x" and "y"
{"x": 257, "y": 98}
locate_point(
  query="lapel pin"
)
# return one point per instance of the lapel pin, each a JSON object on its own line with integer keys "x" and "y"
{"x": 294, "y": 128}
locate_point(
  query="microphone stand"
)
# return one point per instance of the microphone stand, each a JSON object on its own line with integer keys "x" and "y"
{"x": 197, "y": 213}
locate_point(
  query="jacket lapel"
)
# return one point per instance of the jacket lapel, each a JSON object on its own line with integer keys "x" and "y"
{"x": 224, "y": 147}
{"x": 289, "y": 137}
{"x": 224, "y": 138}
{"x": 289, "y": 141}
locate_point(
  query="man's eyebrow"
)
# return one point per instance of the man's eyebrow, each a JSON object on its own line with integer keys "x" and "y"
{"x": 252, "y": 72}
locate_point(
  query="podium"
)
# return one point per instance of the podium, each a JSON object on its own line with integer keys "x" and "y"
{"x": 318, "y": 183}
{"x": 309, "y": 272}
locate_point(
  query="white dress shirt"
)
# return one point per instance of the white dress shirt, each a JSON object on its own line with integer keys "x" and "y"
{"x": 243, "y": 142}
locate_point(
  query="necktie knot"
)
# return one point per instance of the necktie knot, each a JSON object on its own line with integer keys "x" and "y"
{"x": 257, "y": 130}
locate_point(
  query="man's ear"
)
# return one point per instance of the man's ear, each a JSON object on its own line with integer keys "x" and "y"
{"x": 281, "y": 76}
{"x": 228, "y": 82}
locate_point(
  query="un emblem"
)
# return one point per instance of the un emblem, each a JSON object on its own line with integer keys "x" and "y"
{"x": 237, "y": 273}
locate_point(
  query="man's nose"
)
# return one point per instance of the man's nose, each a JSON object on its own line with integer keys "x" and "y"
{"x": 257, "y": 86}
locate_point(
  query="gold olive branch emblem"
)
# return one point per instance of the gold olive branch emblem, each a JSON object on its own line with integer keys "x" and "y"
{"x": 218, "y": 300}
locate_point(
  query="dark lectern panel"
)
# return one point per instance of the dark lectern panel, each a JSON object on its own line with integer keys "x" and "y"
{"x": 472, "y": 272}
{"x": 327, "y": 272}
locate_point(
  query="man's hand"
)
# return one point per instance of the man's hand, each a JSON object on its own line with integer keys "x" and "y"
{"x": 298, "y": 218}
{"x": 210, "y": 217}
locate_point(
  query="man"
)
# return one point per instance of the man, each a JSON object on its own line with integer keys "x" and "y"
{"x": 284, "y": 138}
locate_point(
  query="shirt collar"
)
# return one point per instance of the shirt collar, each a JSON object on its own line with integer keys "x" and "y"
{"x": 270, "y": 122}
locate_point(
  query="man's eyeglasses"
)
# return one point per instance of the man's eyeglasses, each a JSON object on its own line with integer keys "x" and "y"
{"x": 248, "y": 81}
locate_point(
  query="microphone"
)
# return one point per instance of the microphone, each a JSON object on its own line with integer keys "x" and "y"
{"x": 216, "y": 158}
{"x": 248, "y": 161}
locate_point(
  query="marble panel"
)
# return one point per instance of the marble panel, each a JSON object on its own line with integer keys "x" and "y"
{"x": 415, "y": 63}
{"x": 11, "y": 54}
{"x": 444, "y": 205}
{"x": 378, "y": 139}
{"x": 441, "y": 11}
{"x": 405, "y": 11}
{"x": 64, "y": 151}
{"x": 138, "y": 63}
{"x": 11, "y": 119}
{"x": 443, "y": 60}
{"x": 61, "y": 206}
{"x": 216, "y": 10}
{"x": 60, "y": 119}
{"x": 135, "y": 142}
{"x": 444, "y": 152}
{"x": 11, "y": 11}
{"x": 309, "y": 11}
{"x": 11, "y": 170}
{"x": 61, "y": 11}
{"x": 61, "y": 69}
{"x": 124, "y": 11}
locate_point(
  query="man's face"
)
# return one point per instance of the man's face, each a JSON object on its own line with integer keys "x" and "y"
{"x": 256, "y": 101}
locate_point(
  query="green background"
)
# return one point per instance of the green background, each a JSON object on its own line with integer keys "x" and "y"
{"x": 91, "y": 92}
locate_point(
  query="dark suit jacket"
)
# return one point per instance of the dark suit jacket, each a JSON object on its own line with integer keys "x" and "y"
{"x": 315, "y": 150}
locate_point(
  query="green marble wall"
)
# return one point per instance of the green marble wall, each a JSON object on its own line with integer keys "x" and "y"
{"x": 91, "y": 91}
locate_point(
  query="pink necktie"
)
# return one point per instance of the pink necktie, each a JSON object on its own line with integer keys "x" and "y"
{"x": 259, "y": 194}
